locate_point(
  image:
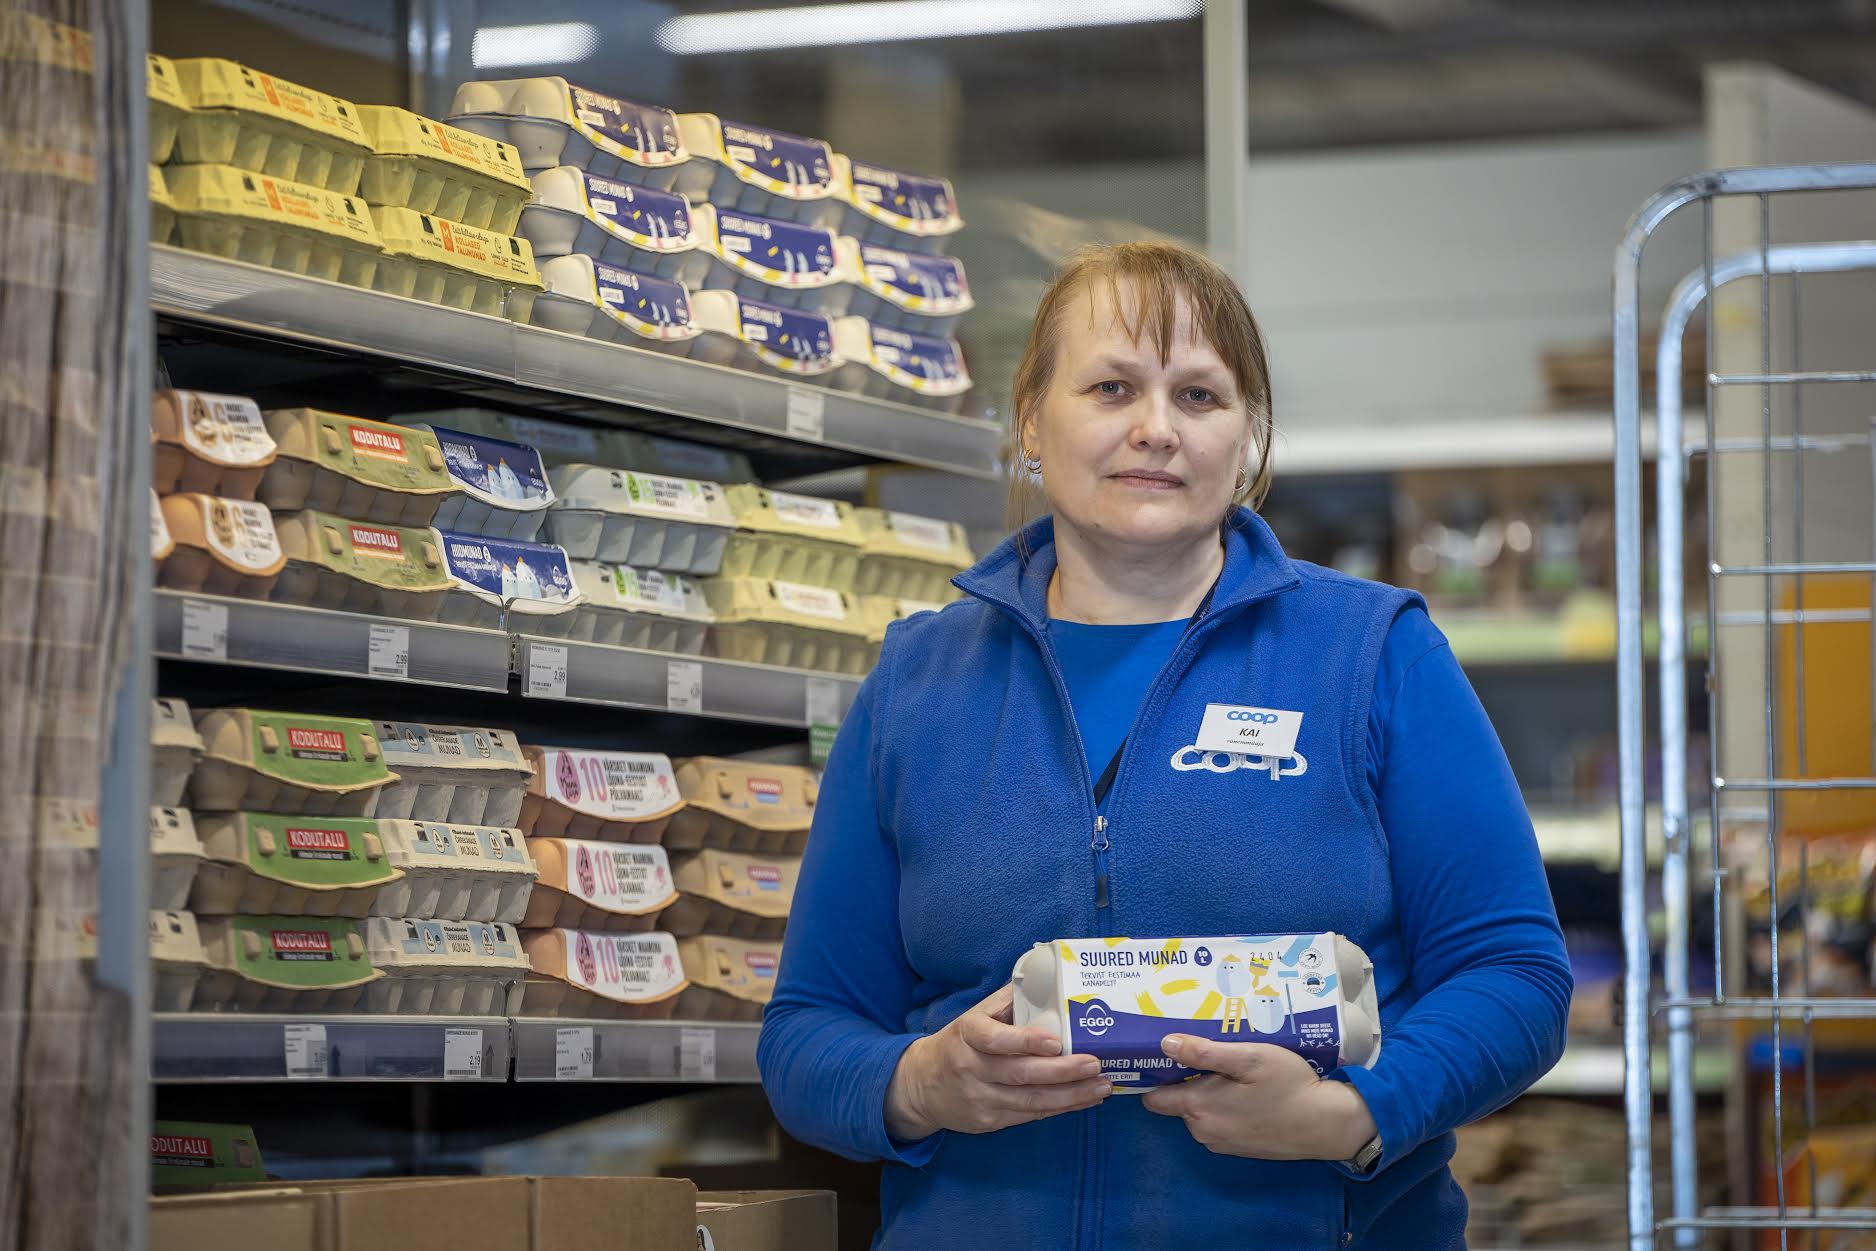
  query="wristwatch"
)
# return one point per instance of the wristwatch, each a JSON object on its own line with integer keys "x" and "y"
{"x": 1365, "y": 1158}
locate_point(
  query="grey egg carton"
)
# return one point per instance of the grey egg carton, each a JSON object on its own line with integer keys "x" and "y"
{"x": 456, "y": 872}
{"x": 712, "y": 176}
{"x": 927, "y": 235}
{"x": 542, "y": 118}
{"x": 175, "y": 858}
{"x": 608, "y": 617}
{"x": 174, "y": 749}
{"x": 562, "y": 219}
{"x": 575, "y": 303}
{"x": 468, "y": 775}
{"x": 595, "y": 518}
{"x": 795, "y": 283}
{"x": 432, "y": 967}
{"x": 724, "y": 341}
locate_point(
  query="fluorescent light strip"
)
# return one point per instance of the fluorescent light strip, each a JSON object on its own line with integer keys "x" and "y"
{"x": 548, "y": 43}
{"x": 828, "y": 25}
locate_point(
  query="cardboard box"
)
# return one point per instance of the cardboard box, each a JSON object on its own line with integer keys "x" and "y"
{"x": 438, "y": 1214}
{"x": 196, "y": 1155}
{"x": 766, "y": 1220}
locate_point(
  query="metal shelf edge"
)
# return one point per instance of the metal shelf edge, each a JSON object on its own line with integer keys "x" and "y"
{"x": 194, "y": 1048}
{"x": 550, "y": 1049}
{"x": 599, "y": 673}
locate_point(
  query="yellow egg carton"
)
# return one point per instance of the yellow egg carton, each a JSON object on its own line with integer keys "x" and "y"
{"x": 731, "y": 979}
{"x": 743, "y": 805}
{"x": 910, "y": 557}
{"x": 765, "y": 622}
{"x": 266, "y": 125}
{"x": 162, "y": 209}
{"x": 355, "y": 467}
{"x": 731, "y": 893}
{"x": 443, "y": 171}
{"x": 442, "y": 262}
{"x": 286, "y": 225}
{"x": 168, "y": 106}
{"x": 796, "y": 538}
{"x": 221, "y": 547}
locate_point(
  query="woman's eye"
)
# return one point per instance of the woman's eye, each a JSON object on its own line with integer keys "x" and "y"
{"x": 1199, "y": 395}
{"x": 1109, "y": 388}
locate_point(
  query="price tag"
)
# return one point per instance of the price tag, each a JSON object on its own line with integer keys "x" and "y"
{"x": 823, "y": 716}
{"x": 390, "y": 651}
{"x": 547, "y": 670}
{"x": 807, "y": 414}
{"x": 307, "y": 1052}
{"x": 462, "y": 1055}
{"x": 683, "y": 686}
{"x": 573, "y": 1053}
{"x": 204, "y": 630}
{"x": 697, "y": 1055}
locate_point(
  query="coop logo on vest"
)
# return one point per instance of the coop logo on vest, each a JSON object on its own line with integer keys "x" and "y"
{"x": 1193, "y": 759}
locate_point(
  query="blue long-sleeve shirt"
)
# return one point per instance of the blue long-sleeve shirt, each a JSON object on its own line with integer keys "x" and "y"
{"x": 953, "y": 831}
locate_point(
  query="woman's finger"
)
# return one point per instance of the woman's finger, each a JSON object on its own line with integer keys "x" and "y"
{"x": 992, "y": 1037}
{"x": 1038, "y": 1070}
{"x": 1038, "y": 1101}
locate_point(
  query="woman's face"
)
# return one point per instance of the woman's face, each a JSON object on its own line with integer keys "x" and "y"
{"x": 1136, "y": 451}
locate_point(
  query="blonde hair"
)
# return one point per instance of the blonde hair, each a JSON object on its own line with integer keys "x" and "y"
{"x": 1161, "y": 275}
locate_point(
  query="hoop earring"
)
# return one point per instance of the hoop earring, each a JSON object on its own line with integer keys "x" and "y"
{"x": 1244, "y": 480}
{"x": 1032, "y": 463}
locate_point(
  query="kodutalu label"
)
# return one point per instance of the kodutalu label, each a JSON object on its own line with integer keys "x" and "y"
{"x": 1118, "y": 998}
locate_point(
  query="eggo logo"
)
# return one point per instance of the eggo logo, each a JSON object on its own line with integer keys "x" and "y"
{"x": 1191, "y": 759}
{"x": 1096, "y": 1021}
{"x": 1255, "y": 718}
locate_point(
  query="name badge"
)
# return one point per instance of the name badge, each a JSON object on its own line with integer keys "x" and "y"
{"x": 1267, "y": 732}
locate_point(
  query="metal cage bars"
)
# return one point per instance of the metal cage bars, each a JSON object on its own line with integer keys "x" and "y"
{"x": 1697, "y": 290}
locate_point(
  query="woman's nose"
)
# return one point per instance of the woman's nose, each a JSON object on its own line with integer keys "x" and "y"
{"x": 1154, "y": 427}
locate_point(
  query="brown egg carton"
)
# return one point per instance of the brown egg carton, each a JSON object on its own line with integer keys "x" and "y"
{"x": 731, "y": 979}
{"x": 579, "y": 973}
{"x": 589, "y": 885}
{"x": 220, "y": 546}
{"x": 611, "y": 796}
{"x": 208, "y": 444}
{"x": 742, "y": 805}
{"x": 731, "y": 893}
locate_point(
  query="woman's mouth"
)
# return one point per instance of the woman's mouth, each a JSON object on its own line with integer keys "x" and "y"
{"x": 1148, "y": 479}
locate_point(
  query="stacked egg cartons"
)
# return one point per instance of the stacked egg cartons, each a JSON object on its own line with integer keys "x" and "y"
{"x": 337, "y": 865}
{"x": 723, "y": 241}
{"x": 906, "y": 566}
{"x": 209, "y": 453}
{"x": 663, "y": 891}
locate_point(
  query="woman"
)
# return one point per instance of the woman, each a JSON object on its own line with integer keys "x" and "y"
{"x": 965, "y": 815}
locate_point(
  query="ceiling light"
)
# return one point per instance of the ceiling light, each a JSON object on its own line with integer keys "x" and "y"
{"x": 827, "y": 25}
{"x": 546, "y": 43}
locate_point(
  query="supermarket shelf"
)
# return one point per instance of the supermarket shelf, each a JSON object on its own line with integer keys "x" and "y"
{"x": 634, "y": 1051}
{"x": 264, "y": 635}
{"x": 252, "y": 300}
{"x": 206, "y": 1047}
{"x": 1596, "y": 1069}
{"x": 629, "y": 678}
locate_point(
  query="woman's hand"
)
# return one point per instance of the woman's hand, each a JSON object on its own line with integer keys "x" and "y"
{"x": 980, "y": 1073}
{"x": 1263, "y": 1102}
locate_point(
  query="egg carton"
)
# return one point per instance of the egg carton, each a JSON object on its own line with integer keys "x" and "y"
{"x": 553, "y": 122}
{"x": 901, "y": 290}
{"x": 442, "y": 262}
{"x": 177, "y": 961}
{"x": 586, "y": 885}
{"x": 501, "y": 486}
{"x": 910, "y": 557}
{"x": 295, "y": 866}
{"x": 556, "y": 442}
{"x": 795, "y": 538}
{"x": 467, "y": 775}
{"x": 161, "y": 542}
{"x": 432, "y": 967}
{"x": 208, "y": 444}
{"x": 175, "y": 857}
{"x": 162, "y": 209}
{"x": 365, "y": 470}
{"x": 643, "y": 608}
{"x": 596, "y": 300}
{"x": 645, "y": 520}
{"x": 581, "y": 973}
{"x": 680, "y": 458}
{"x": 281, "y": 762}
{"x": 266, "y": 125}
{"x": 634, "y": 228}
{"x": 743, "y": 806}
{"x": 762, "y": 338}
{"x": 898, "y": 365}
{"x": 358, "y": 567}
{"x": 284, "y": 225}
{"x": 167, "y": 107}
{"x": 524, "y": 587}
{"x": 283, "y": 964}
{"x": 787, "y": 264}
{"x": 758, "y": 170}
{"x": 440, "y": 170}
{"x": 457, "y": 872}
{"x": 612, "y": 796}
{"x": 174, "y": 749}
{"x": 731, "y": 979}
{"x": 896, "y": 209}
{"x": 731, "y": 893}
{"x": 764, "y": 622}
{"x": 220, "y": 547}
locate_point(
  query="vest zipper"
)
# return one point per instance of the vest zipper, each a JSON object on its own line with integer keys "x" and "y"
{"x": 1099, "y": 846}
